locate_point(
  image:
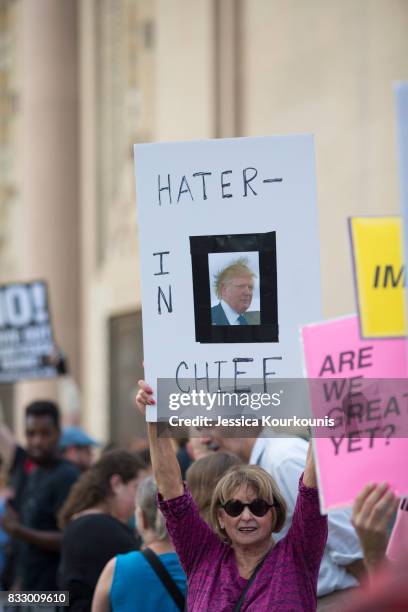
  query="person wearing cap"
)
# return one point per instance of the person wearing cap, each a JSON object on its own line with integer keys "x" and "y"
{"x": 77, "y": 447}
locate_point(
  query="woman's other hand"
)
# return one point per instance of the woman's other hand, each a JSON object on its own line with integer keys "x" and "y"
{"x": 372, "y": 511}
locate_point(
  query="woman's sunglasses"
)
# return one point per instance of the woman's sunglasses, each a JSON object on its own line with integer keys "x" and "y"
{"x": 257, "y": 507}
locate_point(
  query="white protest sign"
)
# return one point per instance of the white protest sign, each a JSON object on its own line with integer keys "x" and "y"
{"x": 26, "y": 338}
{"x": 235, "y": 222}
{"x": 401, "y": 100}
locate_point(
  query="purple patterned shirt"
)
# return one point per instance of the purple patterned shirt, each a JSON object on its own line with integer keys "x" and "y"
{"x": 287, "y": 580}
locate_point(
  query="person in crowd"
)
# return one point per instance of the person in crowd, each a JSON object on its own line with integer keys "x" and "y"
{"x": 17, "y": 466}
{"x": 284, "y": 458}
{"x": 5, "y": 494}
{"x": 387, "y": 588}
{"x": 144, "y": 456}
{"x": 94, "y": 519}
{"x": 8, "y": 444}
{"x": 199, "y": 447}
{"x": 234, "y": 286}
{"x": 129, "y": 583}
{"x": 373, "y": 510}
{"x": 42, "y": 482}
{"x": 387, "y": 593}
{"x": 77, "y": 446}
{"x": 397, "y": 548}
{"x": 236, "y": 564}
{"x": 204, "y": 474}
{"x": 184, "y": 455}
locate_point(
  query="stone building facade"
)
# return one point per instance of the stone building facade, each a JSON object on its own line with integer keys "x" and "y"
{"x": 81, "y": 81}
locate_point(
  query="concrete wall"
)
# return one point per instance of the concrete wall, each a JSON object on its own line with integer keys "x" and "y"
{"x": 328, "y": 68}
{"x": 316, "y": 66}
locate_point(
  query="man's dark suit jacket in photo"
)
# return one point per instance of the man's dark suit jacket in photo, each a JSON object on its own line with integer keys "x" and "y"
{"x": 218, "y": 316}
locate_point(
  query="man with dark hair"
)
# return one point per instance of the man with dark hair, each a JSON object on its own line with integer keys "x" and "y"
{"x": 44, "y": 481}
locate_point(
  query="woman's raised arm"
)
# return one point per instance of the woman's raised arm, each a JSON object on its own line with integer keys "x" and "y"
{"x": 166, "y": 469}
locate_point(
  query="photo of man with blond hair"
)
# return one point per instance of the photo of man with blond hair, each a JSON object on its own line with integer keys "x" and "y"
{"x": 234, "y": 287}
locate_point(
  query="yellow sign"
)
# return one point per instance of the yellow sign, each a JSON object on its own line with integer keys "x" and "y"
{"x": 380, "y": 275}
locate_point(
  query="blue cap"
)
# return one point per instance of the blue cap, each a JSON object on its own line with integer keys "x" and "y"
{"x": 75, "y": 436}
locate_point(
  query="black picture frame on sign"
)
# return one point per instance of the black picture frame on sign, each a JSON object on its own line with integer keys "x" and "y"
{"x": 267, "y": 330}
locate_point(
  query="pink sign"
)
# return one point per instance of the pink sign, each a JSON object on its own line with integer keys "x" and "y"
{"x": 362, "y": 386}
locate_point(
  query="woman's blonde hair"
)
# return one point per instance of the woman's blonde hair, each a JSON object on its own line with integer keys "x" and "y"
{"x": 203, "y": 475}
{"x": 255, "y": 478}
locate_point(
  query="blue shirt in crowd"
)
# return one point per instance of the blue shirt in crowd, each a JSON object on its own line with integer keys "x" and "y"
{"x": 135, "y": 585}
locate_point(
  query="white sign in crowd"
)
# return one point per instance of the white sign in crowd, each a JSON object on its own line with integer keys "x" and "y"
{"x": 209, "y": 209}
{"x": 401, "y": 103}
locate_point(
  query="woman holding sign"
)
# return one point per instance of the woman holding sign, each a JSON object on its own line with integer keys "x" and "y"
{"x": 236, "y": 565}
